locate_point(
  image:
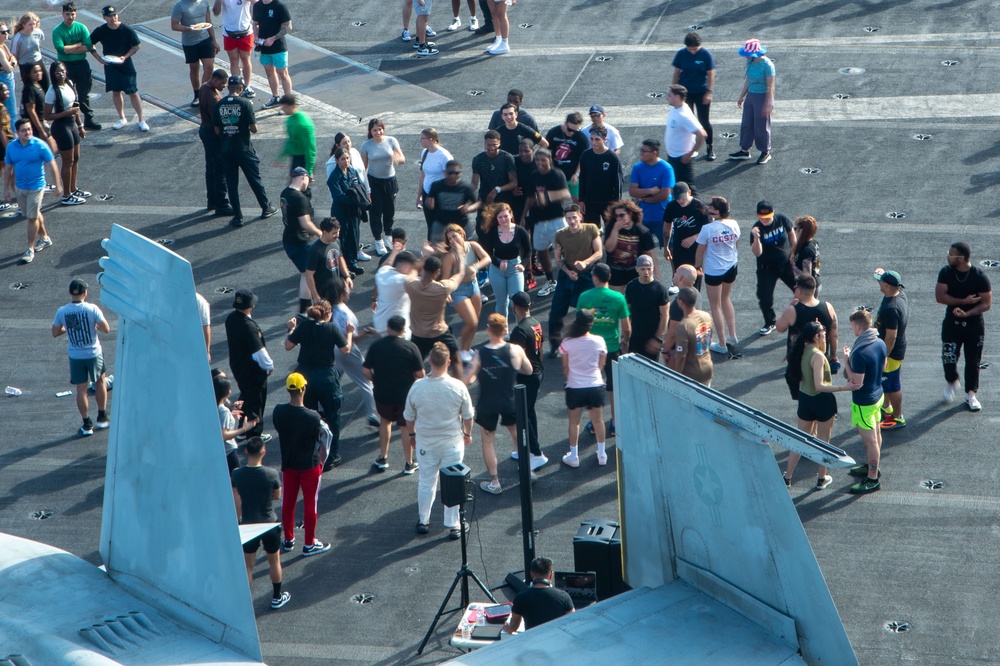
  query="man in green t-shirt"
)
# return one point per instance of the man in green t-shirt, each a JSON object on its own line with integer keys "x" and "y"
{"x": 72, "y": 43}
{"x": 300, "y": 142}
{"x": 611, "y": 322}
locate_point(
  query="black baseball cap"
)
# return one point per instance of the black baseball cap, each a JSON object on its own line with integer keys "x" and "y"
{"x": 244, "y": 299}
{"x": 236, "y": 80}
{"x": 109, "y": 10}
{"x": 521, "y": 299}
{"x": 77, "y": 287}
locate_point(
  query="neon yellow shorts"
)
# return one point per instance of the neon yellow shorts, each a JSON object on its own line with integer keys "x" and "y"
{"x": 866, "y": 416}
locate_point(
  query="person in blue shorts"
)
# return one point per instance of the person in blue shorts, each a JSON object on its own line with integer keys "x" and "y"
{"x": 865, "y": 363}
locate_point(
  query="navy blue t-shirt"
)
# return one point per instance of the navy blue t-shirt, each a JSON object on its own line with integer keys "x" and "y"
{"x": 869, "y": 360}
{"x": 694, "y": 69}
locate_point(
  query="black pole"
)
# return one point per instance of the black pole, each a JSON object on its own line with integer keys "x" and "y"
{"x": 524, "y": 471}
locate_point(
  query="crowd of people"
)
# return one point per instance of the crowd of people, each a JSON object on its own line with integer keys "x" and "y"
{"x": 558, "y": 214}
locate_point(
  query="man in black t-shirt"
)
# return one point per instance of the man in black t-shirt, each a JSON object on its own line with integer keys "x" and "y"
{"x": 326, "y": 267}
{"x": 121, "y": 41}
{"x": 600, "y": 177}
{"x": 298, "y": 429}
{"x": 494, "y": 174}
{"x": 450, "y": 202}
{"x": 682, "y": 222}
{"x": 893, "y": 314}
{"x": 515, "y": 97}
{"x": 772, "y": 239}
{"x": 567, "y": 144}
{"x": 511, "y": 131}
{"x": 298, "y": 230}
{"x": 647, "y": 304}
{"x": 234, "y": 122}
{"x": 255, "y": 487}
{"x": 967, "y": 293}
{"x": 248, "y": 358}
{"x": 547, "y": 196}
{"x": 528, "y": 336}
{"x": 392, "y": 364}
{"x": 271, "y": 22}
{"x": 541, "y": 602}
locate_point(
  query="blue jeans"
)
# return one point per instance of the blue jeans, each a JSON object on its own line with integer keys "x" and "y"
{"x": 11, "y": 102}
{"x": 506, "y": 284}
{"x": 565, "y": 295}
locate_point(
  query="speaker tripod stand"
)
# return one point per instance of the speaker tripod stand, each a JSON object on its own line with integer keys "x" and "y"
{"x": 462, "y": 576}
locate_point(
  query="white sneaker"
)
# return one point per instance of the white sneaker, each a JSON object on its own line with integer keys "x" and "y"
{"x": 537, "y": 461}
{"x": 28, "y": 256}
{"x": 950, "y": 390}
{"x": 513, "y": 455}
{"x": 363, "y": 256}
{"x": 466, "y": 356}
{"x": 455, "y": 24}
{"x": 717, "y": 348}
{"x": 473, "y": 23}
{"x": 120, "y": 123}
{"x": 500, "y": 49}
{"x": 547, "y": 290}
{"x": 494, "y": 45}
{"x": 143, "y": 126}
{"x": 673, "y": 291}
{"x": 406, "y": 36}
{"x": 602, "y": 458}
{"x": 42, "y": 242}
{"x": 571, "y": 460}
{"x": 973, "y": 402}
{"x": 380, "y": 248}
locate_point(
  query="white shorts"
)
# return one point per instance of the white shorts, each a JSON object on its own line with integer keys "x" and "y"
{"x": 424, "y": 10}
{"x": 545, "y": 233}
{"x": 506, "y": 2}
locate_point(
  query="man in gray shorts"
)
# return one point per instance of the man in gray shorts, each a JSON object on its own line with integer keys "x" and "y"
{"x": 199, "y": 44}
{"x": 422, "y": 8}
{"x": 81, "y": 321}
{"x": 27, "y": 158}
{"x": 546, "y": 196}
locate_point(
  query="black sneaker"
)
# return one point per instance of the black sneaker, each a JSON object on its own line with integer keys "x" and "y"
{"x": 194, "y": 102}
{"x": 269, "y": 211}
{"x": 316, "y": 548}
{"x": 91, "y": 125}
{"x": 288, "y": 546}
{"x": 221, "y": 211}
{"x": 411, "y": 467}
{"x": 740, "y": 155}
{"x": 423, "y": 528}
{"x": 788, "y": 482}
{"x": 357, "y": 270}
{"x": 278, "y": 602}
{"x": 271, "y": 103}
{"x": 764, "y": 158}
{"x": 710, "y": 154}
{"x": 484, "y": 30}
{"x": 87, "y": 429}
{"x": 455, "y": 533}
{"x": 381, "y": 464}
{"x": 236, "y": 222}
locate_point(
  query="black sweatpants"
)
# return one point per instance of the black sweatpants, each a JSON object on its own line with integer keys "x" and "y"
{"x": 215, "y": 179}
{"x": 959, "y": 333}
{"x": 767, "y": 278}
{"x": 78, "y": 72}
{"x": 382, "y": 215}
{"x": 702, "y": 110}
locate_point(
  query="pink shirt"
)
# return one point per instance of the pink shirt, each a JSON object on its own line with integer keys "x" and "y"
{"x": 584, "y": 360}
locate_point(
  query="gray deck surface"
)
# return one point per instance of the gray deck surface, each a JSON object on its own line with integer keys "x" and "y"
{"x": 903, "y": 554}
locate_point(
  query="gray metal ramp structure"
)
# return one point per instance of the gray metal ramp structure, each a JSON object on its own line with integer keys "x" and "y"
{"x": 322, "y": 78}
{"x": 720, "y": 566}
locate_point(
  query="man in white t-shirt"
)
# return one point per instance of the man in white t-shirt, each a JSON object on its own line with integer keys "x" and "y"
{"x": 237, "y": 37}
{"x": 683, "y": 136}
{"x": 390, "y": 296}
{"x": 614, "y": 140}
{"x": 81, "y": 322}
{"x": 439, "y": 416}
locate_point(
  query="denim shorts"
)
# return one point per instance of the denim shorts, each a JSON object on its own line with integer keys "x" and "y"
{"x": 464, "y": 291}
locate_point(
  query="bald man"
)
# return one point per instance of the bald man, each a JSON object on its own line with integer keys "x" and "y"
{"x": 686, "y": 275}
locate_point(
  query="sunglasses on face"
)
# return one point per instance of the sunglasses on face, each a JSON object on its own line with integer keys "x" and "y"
{"x": 454, "y": 173}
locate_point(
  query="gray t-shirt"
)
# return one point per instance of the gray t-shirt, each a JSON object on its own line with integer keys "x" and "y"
{"x": 191, "y": 12}
{"x": 380, "y": 156}
{"x": 81, "y": 319}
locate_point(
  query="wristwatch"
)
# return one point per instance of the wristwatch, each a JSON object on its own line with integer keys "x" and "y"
{"x": 497, "y": 188}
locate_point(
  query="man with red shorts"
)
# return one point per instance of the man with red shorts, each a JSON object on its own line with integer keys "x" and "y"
{"x": 237, "y": 37}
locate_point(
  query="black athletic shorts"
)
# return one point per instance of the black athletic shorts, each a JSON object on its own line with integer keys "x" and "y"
{"x": 726, "y": 278}
{"x": 66, "y": 134}
{"x": 270, "y": 539}
{"x": 821, "y": 407}
{"x": 488, "y": 422}
{"x": 585, "y": 398}
{"x": 609, "y": 375}
{"x": 426, "y": 344}
{"x": 199, "y": 51}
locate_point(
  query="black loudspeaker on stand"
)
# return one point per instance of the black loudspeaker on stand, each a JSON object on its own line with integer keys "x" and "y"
{"x": 454, "y": 492}
{"x": 518, "y": 580}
